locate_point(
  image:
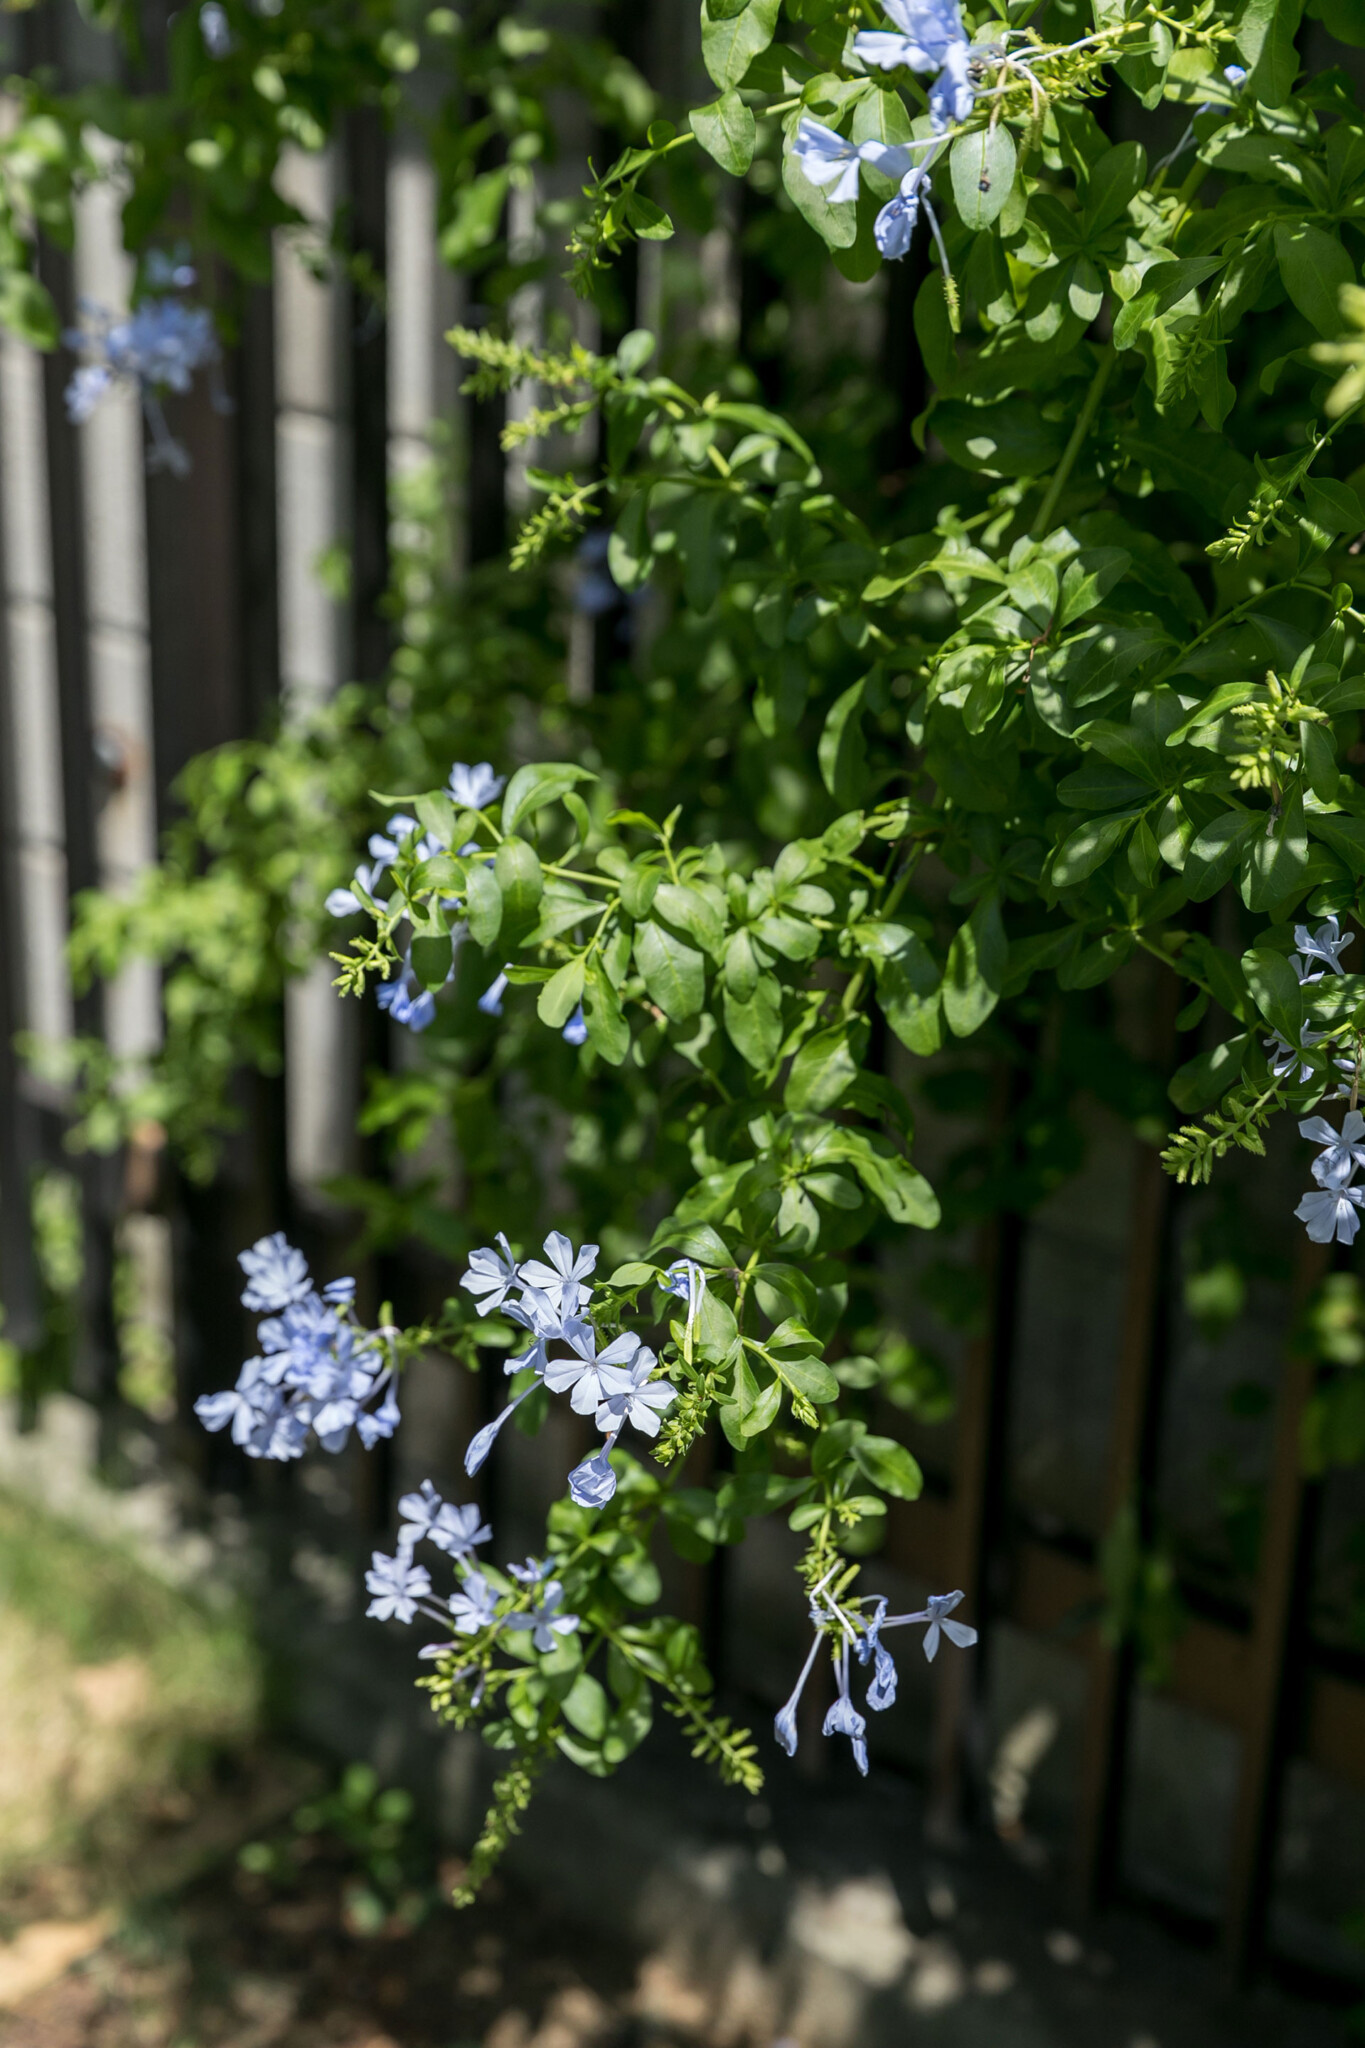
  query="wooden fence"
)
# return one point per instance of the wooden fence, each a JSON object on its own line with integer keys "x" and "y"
{"x": 146, "y": 618}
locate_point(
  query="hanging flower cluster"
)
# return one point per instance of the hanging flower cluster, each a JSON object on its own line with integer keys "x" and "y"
{"x": 318, "y": 1371}
{"x": 401, "y": 1590}
{"x": 616, "y": 1384}
{"x": 157, "y": 347}
{"x": 1332, "y": 1209}
{"x": 850, "y": 1632}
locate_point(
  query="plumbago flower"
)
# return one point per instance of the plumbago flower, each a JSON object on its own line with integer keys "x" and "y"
{"x": 318, "y": 1371}
{"x": 616, "y": 1384}
{"x": 851, "y": 1633}
{"x": 156, "y": 348}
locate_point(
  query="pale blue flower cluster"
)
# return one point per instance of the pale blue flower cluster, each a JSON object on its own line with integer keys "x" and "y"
{"x": 928, "y": 36}
{"x": 400, "y": 1590}
{"x": 318, "y": 1371}
{"x": 1332, "y": 1210}
{"x": 861, "y": 1635}
{"x": 158, "y": 347}
{"x": 550, "y": 1300}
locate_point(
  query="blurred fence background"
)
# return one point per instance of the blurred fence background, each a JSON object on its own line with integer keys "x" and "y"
{"x": 1123, "y": 1446}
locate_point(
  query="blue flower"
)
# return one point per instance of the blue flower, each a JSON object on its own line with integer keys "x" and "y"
{"x": 1236, "y": 75}
{"x": 593, "y": 1483}
{"x": 397, "y": 1584}
{"x": 482, "y": 1442}
{"x": 490, "y": 1002}
{"x": 213, "y": 27}
{"x": 425, "y": 1516}
{"x": 843, "y": 1717}
{"x": 475, "y": 788}
{"x": 491, "y": 1274}
{"x": 931, "y": 38}
{"x": 276, "y": 1273}
{"x": 586, "y": 1376}
{"x": 406, "y": 1001}
{"x": 827, "y": 158}
{"x": 894, "y": 226}
{"x": 576, "y": 1030}
{"x": 564, "y": 1279}
{"x": 474, "y": 1606}
{"x": 1343, "y": 1150}
{"x": 1332, "y": 1213}
{"x": 940, "y": 1607}
{"x": 1324, "y": 947}
{"x": 545, "y": 1620}
{"x": 784, "y": 1725}
{"x": 339, "y": 1292}
{"x": 631, "y": 1396}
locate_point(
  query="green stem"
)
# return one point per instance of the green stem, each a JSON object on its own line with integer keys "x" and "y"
{"x": 1043, "y": 519}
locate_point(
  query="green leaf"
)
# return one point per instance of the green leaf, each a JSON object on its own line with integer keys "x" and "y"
{"x": 608, "y": 1030}
{"x": 1278, "y": 859}
{"x": 587, "y": 1708}
{"x": 889, "y": 1466}
{"x": 638, "y": 886}
{"x": 1088, "y": 580}
{"x": 1217, "y": 849}
{"x": 975, "y": 973}
{"x": 983, "y": 166}
{"x": 1314, "y": 267}
{"x": 729, "y": 46}
{"x": 1275, "y": 990}
{"x": 674, "y": 973}
{"x": 431, "y": 959}
{"x": 561, "y": 995}
{"x": 754, "y": 1024}
{"x": 1203, "y": 1081}
{"x": 726, "y": 130}
{"x": 483, "y": 904}
{"x": 1265, "y": 39}
{"x": 629, "y": 554}
{"x": 1319, "y": 760}
{"x": 824, "y": 1069}
{"x": 842, "y": 750}
{"x": 536, "y": 785}
{"x": 809, "y": 1376}
{"x": 520, "y": 878}
{"x": 436, "y": 814}
{"x": 1162, "y": 287}
{"x": 1090, "y": 845}
{"x": 1345, "y": 836}
{"x": 647, "y": 220}
{"x": 904, "y": 1193}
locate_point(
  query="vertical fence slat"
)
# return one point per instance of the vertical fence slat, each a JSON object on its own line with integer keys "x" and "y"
{"x": 1132, "y": 1458}
{"x": 978, "y": 1495}
{"x": 1277, "y": 1631}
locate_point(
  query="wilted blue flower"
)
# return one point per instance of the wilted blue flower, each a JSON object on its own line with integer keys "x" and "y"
{"x": 1343, "y": 1150}
{"x": 894, "y": 226}
{"x": 1236, "y": 75}
{"x": 482, "y": 1442}
{"x": 545, "y": 1620}
{"x": 575, "y": 1032}
{"x": 477, "y": 787}
{"x": 843, "y": 1717}
{"x": 491, "y": 1274}
{"x": 1334, "y": 1212}
{"x": 276, "y": 1274}
{"x": 593, "y": 1483}
{"x": 397, "y": 1584}
{"x": 533, "y": 1573}
{"x": 784, "y": 1724}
